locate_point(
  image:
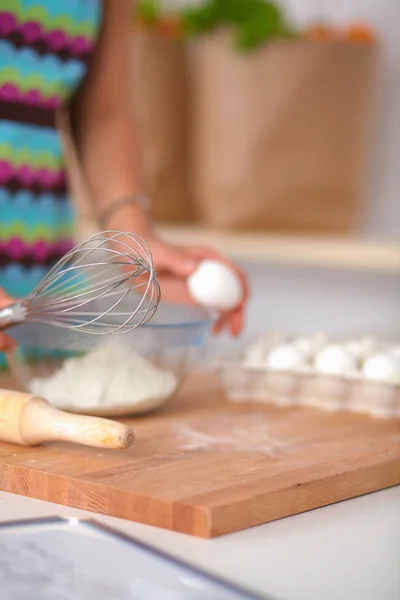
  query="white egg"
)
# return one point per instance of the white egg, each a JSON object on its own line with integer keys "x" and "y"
{"x": 335, "y": 360}
{"x": 257, "y": 354}
{"x": 361, "y": 348}
{"x": 216, "y": 286}
{"x": 286, "y": 358}
{"x": 383, "y": 368}
{"x": 310, "y": 345}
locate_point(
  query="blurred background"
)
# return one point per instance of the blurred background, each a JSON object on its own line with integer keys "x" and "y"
{"x": 271, "y": 130}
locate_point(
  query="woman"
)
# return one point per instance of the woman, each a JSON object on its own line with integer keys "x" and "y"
{"x": 74, "y": 53}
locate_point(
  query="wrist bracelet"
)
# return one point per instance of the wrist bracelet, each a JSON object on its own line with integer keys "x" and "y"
{"x": 141, "y": 202}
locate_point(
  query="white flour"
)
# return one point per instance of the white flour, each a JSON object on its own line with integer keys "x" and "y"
{"x": 109, "y": 376}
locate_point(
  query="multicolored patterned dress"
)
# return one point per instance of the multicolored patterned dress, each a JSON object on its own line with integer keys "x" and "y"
{"x": 44, "y": 51}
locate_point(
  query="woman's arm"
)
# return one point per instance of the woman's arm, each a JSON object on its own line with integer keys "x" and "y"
{"x": 105, "y": 140}
{"x": 103, "y": 124}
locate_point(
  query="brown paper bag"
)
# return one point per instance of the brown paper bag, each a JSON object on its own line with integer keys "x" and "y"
{"x": 158, "y": 83}
{"x": 279, "y": 135}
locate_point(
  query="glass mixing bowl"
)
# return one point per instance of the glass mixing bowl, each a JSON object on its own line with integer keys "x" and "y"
{"x": 116, "y": 375}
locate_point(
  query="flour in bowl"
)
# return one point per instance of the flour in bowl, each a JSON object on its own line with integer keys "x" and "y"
{"x": 107, "y": 377}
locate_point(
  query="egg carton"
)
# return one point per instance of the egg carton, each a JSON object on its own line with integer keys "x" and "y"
{"x": 331, "y": 393}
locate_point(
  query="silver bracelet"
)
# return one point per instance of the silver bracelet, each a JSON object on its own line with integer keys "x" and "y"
{"x": 141, "y": 202}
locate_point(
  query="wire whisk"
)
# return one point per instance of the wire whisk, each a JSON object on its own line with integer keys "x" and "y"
{"x": 105, "y": 285}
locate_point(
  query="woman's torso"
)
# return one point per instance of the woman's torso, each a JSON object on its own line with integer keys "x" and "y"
{"x": 44, "y": 51}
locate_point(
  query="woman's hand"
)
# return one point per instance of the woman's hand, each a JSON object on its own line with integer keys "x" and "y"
{"x": 174, "y": 264}
{"x": 6, "y": 342}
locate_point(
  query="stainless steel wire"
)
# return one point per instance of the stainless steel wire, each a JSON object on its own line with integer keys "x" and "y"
{"x": 105, "y": 285}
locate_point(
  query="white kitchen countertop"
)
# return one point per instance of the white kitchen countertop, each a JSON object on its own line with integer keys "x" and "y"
{"x": 347, "y": 551}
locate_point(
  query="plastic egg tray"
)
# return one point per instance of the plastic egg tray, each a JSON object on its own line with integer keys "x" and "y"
{"x": 332, "y": 393}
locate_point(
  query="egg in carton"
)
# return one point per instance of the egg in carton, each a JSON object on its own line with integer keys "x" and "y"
{"x": 378, "y": 389}
{"x": 333, "y": 372}
{"x": 272, "y": 370}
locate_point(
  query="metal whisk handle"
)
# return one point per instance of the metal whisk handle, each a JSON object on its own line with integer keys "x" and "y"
{"x": 12, "y": 315}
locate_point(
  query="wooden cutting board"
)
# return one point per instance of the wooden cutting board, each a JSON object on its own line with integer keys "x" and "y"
{"x": 206, "y": 467}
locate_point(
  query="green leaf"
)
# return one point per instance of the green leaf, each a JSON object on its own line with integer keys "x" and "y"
{"x": 148, "y": 10}
{"x": 261, "y": 25}
{"x": 201, "y": 19}
{"x": 254, "y": 22}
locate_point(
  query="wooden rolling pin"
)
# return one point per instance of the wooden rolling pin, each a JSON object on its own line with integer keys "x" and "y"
{"x": 30, "y": 420}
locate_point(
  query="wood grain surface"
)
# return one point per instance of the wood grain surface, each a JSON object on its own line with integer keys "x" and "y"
{"x": 205, "y": 467}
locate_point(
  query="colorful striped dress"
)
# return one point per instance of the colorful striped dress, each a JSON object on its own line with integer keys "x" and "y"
{"x": 44, "y": 51}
